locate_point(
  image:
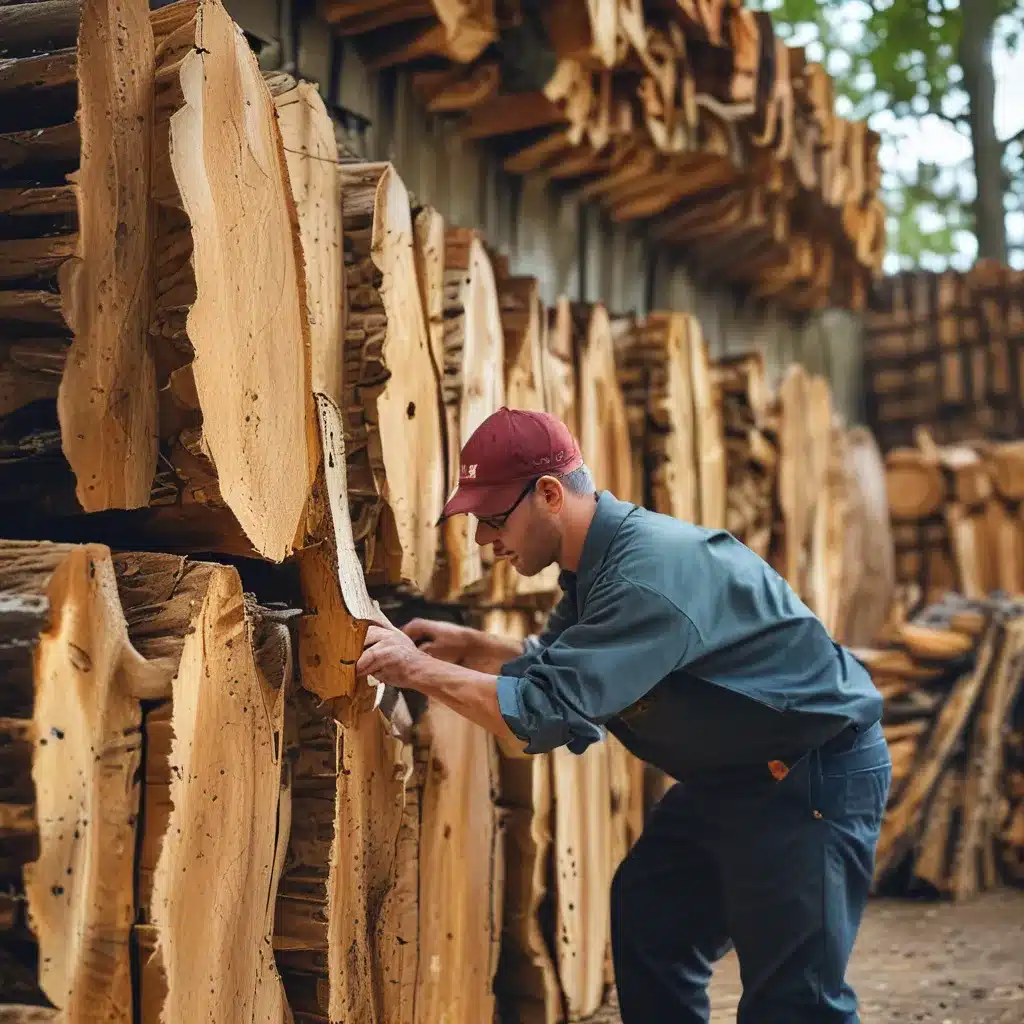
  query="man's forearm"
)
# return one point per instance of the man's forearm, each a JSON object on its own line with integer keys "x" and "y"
{"x": 473, "y": 694}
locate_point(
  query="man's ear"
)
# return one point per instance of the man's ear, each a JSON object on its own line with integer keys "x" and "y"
{"x": 551, "y": 492}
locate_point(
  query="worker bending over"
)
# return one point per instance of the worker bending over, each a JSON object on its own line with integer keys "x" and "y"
{"x": 702, "y": 661}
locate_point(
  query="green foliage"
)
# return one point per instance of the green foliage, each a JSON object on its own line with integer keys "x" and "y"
{"x": 897, "y": 59}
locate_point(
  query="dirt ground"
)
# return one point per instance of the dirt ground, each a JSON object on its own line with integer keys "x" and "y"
{"x": 937, "y": 963}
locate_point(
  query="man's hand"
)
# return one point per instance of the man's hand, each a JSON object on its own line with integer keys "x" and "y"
{"x": 390, "y": 657}
{"x": 446, "y": 641}
{"x": 461, "y": 645}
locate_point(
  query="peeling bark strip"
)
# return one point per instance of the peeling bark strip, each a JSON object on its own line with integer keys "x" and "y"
{"x": 229, "y": 327}
{"x": 75, "y": 282}
{"x": 72, "y": 718}
{"x": 392, "y": 420}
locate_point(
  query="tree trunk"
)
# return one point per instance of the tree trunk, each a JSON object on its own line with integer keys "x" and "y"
{"x": 979, "y": 19}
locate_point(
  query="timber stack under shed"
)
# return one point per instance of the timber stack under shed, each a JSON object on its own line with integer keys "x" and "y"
{"x": 237, "y": 364}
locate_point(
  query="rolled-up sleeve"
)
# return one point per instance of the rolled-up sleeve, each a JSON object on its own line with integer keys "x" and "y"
{"x": 561, "y": 617}
{"x": 627, "y": 639}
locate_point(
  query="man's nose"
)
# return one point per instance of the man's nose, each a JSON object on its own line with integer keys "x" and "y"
{"x": 485, "y": 534}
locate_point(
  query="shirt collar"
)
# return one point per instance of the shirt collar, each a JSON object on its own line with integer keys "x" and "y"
{"x": 608, "y": 517}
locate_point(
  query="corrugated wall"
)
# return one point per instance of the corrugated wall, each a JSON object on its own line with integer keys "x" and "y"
{"x": 572, "y": 248}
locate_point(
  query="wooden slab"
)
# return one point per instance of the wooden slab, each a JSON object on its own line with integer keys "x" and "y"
{"x": 471, "y": 387}
{"x": 74, "y": 211}
{"x": 230, "y": 327}
{"x": 395, "y": 454}
{"x": 222, "y": 843}
{"x": 461, "y": 869}
{"x": 72, "y": 720}
{"x": 307, "y": 136}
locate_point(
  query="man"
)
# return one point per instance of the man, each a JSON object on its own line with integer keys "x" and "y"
{"x": 699, "y": 657}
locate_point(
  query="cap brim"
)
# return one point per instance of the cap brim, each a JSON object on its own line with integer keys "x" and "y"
{"x": 488, "y": 500}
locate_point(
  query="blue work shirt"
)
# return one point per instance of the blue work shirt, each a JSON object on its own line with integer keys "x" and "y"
{"x": 688, "y": 647}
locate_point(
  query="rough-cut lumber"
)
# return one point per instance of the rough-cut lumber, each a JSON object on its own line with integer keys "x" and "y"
{"x": 457, "y": 29}
{"x": 430, "y": 252}
{"x": 708, "y": 430}
{"x": 604, "y": 429}
{"x": 72, "y": 720}
{"x": 914, "y": 482}
{"x": 307, "y": 135}
{"x": 76, "y": 85}
{"x": 583, "y": 869}
{"x": 798, "y": 472}
{"x": 461, "y": 870}
{"x": 345, "y": 933}
{"x": 527, "y": 982}
{"x": 392, "y": 419}
{"x": 750, "y": 448}
{"x": 223, "y": 841}
{"x": 231, "y": 335}
{"x": 942, "y": 350}
{"x": 868, "y": 572}
{"x": 525, "y": 325}
{"x": 473, "y": 385}
{"x": 676, "y": 417}
{"x": 825, "y": 552}
{"x": 952, "y": 749}
{"x": 584, "y": 31}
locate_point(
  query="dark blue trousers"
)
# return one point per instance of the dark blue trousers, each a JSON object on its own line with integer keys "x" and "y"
{"x": 780, "y": 870}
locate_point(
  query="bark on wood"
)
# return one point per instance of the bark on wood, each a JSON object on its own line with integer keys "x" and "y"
{"x": 396, "y": 492}
{"x": 232, "y": 351}
{"x": 74, "y": 211}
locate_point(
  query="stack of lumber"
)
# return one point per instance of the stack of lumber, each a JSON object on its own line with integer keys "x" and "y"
{"x": 956, "y": 515}
{"x": 675, "y": 417}
{"x": 694, "y": 114}
{"x": 944, "y": 351}
{"x": 951, "y": 677}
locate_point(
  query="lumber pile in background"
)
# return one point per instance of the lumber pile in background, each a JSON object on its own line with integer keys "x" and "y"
{"x": 943, "y": 351}
{"x": 951, "y": 676}
{"x": 695, "y": 117}
{"x": 956, "y": 515}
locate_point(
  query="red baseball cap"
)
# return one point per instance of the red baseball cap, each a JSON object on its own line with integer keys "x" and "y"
{"x": 509, "y": 450}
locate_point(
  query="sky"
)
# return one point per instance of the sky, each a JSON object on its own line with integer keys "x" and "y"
{"x": 907, "y": 141}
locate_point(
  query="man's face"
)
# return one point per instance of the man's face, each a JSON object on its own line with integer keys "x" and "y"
{"x": 529, "y": 538}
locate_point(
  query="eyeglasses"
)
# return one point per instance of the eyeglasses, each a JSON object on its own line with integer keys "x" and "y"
{"x": 498, "y": 521}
